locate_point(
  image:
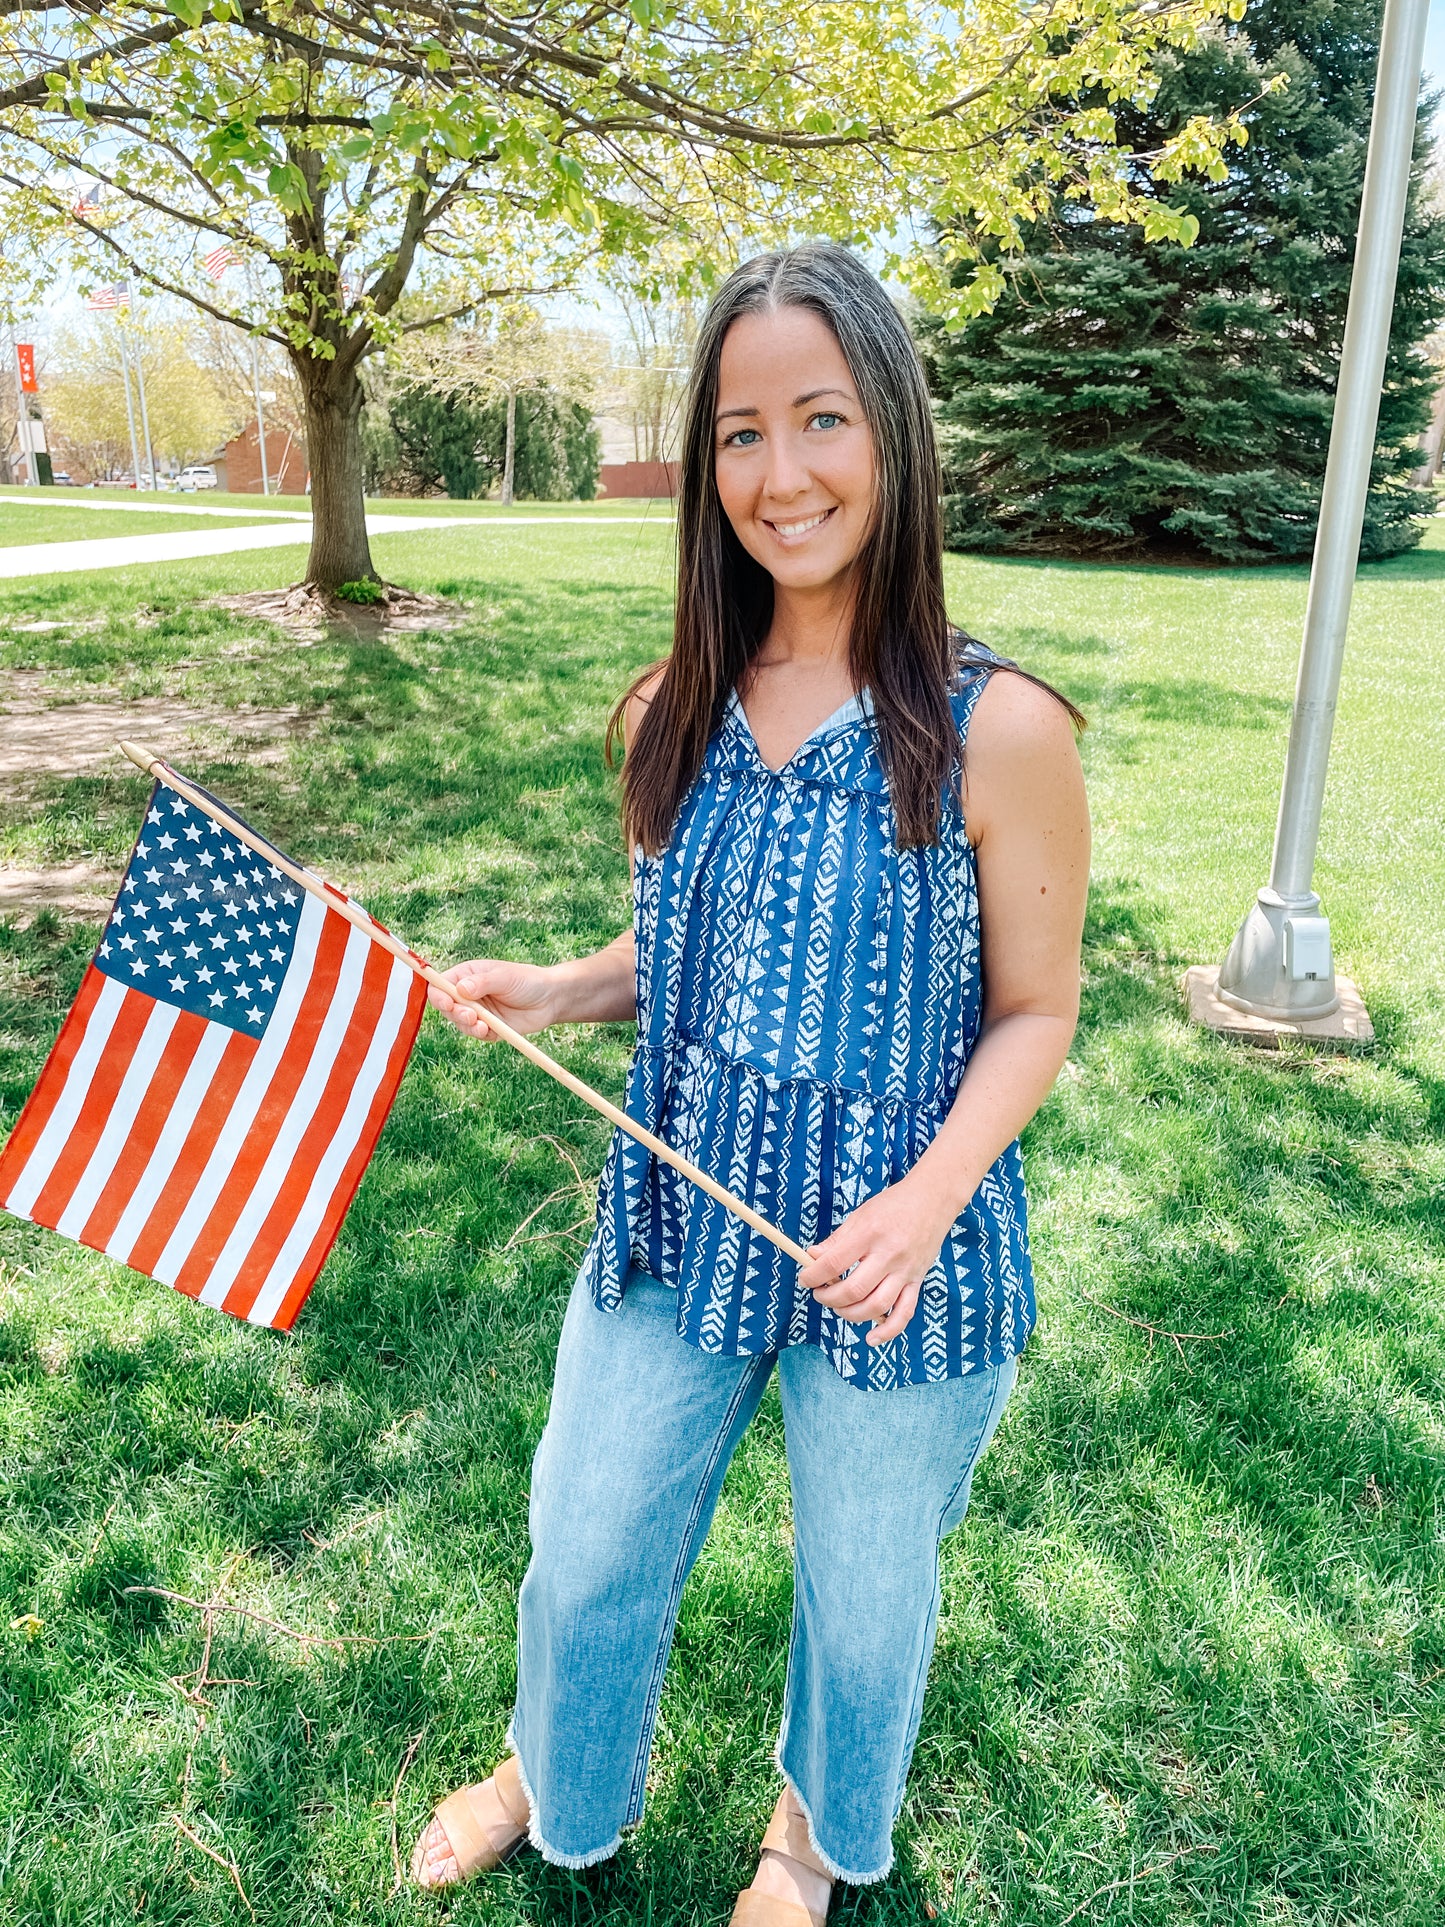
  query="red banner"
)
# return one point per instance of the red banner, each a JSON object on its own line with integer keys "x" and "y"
{"x": 25, "y": 357}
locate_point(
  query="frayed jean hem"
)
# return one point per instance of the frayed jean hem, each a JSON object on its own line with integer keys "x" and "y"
{"x": 575, "y": 1862}
{"x": 846, "y": 1875}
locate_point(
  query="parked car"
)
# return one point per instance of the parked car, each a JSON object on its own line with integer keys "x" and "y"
{"x": 198, "y": 475}
{"x": 62, "y": 480}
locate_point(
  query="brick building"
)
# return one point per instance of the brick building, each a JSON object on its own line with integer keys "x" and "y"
{"x": 238, "y": 464}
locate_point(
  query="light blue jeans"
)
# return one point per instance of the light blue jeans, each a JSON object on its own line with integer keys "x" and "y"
{"x": 624, "y": 1483}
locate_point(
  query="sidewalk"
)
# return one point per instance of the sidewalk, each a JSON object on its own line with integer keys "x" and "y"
{"x": 124, "y": 551}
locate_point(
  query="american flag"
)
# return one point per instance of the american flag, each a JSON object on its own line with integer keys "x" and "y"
{"x": 218, "y": 260}
{"x": 88, "y": 202}
{"x": 117, "y": 295}
{"x": 221, "y": 1080}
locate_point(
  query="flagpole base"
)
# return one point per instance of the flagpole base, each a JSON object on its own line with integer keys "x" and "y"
{"x": 1348, "y": 1023}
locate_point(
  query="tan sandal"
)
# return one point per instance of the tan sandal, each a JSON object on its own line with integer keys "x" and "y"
{"x": 472, "y": 1846}
{"x": 787, "y": 1835}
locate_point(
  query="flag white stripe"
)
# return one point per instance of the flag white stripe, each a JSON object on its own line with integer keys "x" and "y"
{"x": 343, "y": 1142}
{"x": 288, "y": 1133}
{"x": 152, "y": 1181}
{"x": 247, "y": 1102}
{"x": 52, "y": 1140}
{"x": 140, "y": 1074}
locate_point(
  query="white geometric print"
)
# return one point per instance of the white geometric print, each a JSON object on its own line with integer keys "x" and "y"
{"x": 807, "y": 999}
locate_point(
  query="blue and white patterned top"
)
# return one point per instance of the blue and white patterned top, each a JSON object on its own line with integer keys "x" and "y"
{"x": 807, "y": 999}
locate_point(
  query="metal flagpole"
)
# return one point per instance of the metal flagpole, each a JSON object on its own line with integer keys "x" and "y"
{"x": 145, "y": 422}
{"x": 1280, "y": 964}
{"x": 129, "y": 406}
{"x": 260, "y": 418}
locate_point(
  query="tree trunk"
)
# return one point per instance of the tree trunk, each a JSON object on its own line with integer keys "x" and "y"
{"x": 340, "y": 551}
{"x": 509, "y": 461}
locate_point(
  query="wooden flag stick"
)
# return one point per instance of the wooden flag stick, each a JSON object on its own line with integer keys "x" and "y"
{"x": 316, "y": 886}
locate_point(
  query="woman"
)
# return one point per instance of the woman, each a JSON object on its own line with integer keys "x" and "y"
{"x": 851, "y": 994}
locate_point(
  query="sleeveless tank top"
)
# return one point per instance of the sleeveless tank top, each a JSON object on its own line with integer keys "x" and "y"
{"x": 807, "y": 999}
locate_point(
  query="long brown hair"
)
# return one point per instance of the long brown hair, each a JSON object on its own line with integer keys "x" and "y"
{"x": 902, "y": 646}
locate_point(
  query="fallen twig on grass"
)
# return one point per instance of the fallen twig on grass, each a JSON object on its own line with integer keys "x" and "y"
{"x": 337, "y": 1640}
{"x": 1179, "y": 1339}
{"x": 1140, "y": 1873}
{"x": 229, "y": 1864}
{"x": 407, "y": 1759}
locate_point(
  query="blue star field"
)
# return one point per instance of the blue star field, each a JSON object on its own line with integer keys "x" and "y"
{"x": 201, "y": 921}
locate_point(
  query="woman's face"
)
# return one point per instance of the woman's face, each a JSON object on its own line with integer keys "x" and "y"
{"x": 793, "y": 452}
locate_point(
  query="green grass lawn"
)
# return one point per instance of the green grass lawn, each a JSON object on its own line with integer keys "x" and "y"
{"x": 21, "y": 526}
{"x": 1191, "y": 1666}
{"x": 376, "y": 504}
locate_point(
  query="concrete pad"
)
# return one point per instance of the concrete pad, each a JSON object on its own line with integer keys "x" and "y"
{"x": 1349, "y": 1024}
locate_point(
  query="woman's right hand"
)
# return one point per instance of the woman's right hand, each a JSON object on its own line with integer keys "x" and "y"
{"x": 523, "y": 995}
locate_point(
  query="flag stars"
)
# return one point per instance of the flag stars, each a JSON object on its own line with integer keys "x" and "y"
{"x": 148, "y": 940}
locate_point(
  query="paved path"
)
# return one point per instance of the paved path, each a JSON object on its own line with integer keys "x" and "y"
{"x": 145, "y": 504}
{"x": 123, "y": 551}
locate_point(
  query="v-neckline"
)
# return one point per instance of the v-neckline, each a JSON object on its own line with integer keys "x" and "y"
{"x": 843, "y": 713}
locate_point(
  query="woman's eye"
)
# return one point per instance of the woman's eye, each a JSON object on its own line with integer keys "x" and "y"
{"x": 827, "y": 420}
{"x": 739, "y": 438}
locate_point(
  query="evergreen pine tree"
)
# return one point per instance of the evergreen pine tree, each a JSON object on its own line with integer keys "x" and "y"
{"x": 1124, "y": 394}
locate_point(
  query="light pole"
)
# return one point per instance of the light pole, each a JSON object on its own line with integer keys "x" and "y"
{"x": 1280, "y": 965}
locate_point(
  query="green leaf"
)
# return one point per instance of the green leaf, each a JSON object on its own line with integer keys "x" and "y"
{"x": 193, "y": 12}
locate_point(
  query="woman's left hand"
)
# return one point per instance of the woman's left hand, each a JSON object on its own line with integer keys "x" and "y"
{"x": 885, "y": 1246}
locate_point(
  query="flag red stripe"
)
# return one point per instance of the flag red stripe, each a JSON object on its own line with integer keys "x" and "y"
{"x": 319, "y": 1132}
{"x": 270, "y": 1113}
{"x": 144, "y": 1254}
{"x": 320, "y": 1248}
{"x": 51, "y": 1083}
{"x": 145, "y": 1133}
{"x": 68, "y": 1169}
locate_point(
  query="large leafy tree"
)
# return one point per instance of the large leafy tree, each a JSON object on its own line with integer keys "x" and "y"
{"x": 343, "y": 149}
{"x": 1119, "y": 396}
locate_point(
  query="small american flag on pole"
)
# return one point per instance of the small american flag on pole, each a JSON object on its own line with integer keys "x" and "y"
{"x": 221, "y": 1080}
{"x": 218, "y": 260}
{"x": 117, "y": 295}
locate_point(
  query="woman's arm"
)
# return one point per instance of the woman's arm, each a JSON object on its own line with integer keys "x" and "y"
{"x": 1029, "y": 823}
{"x": 600, "y": 988}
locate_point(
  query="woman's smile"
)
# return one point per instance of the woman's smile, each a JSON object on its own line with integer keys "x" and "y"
{"x": 798, "y": 530}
